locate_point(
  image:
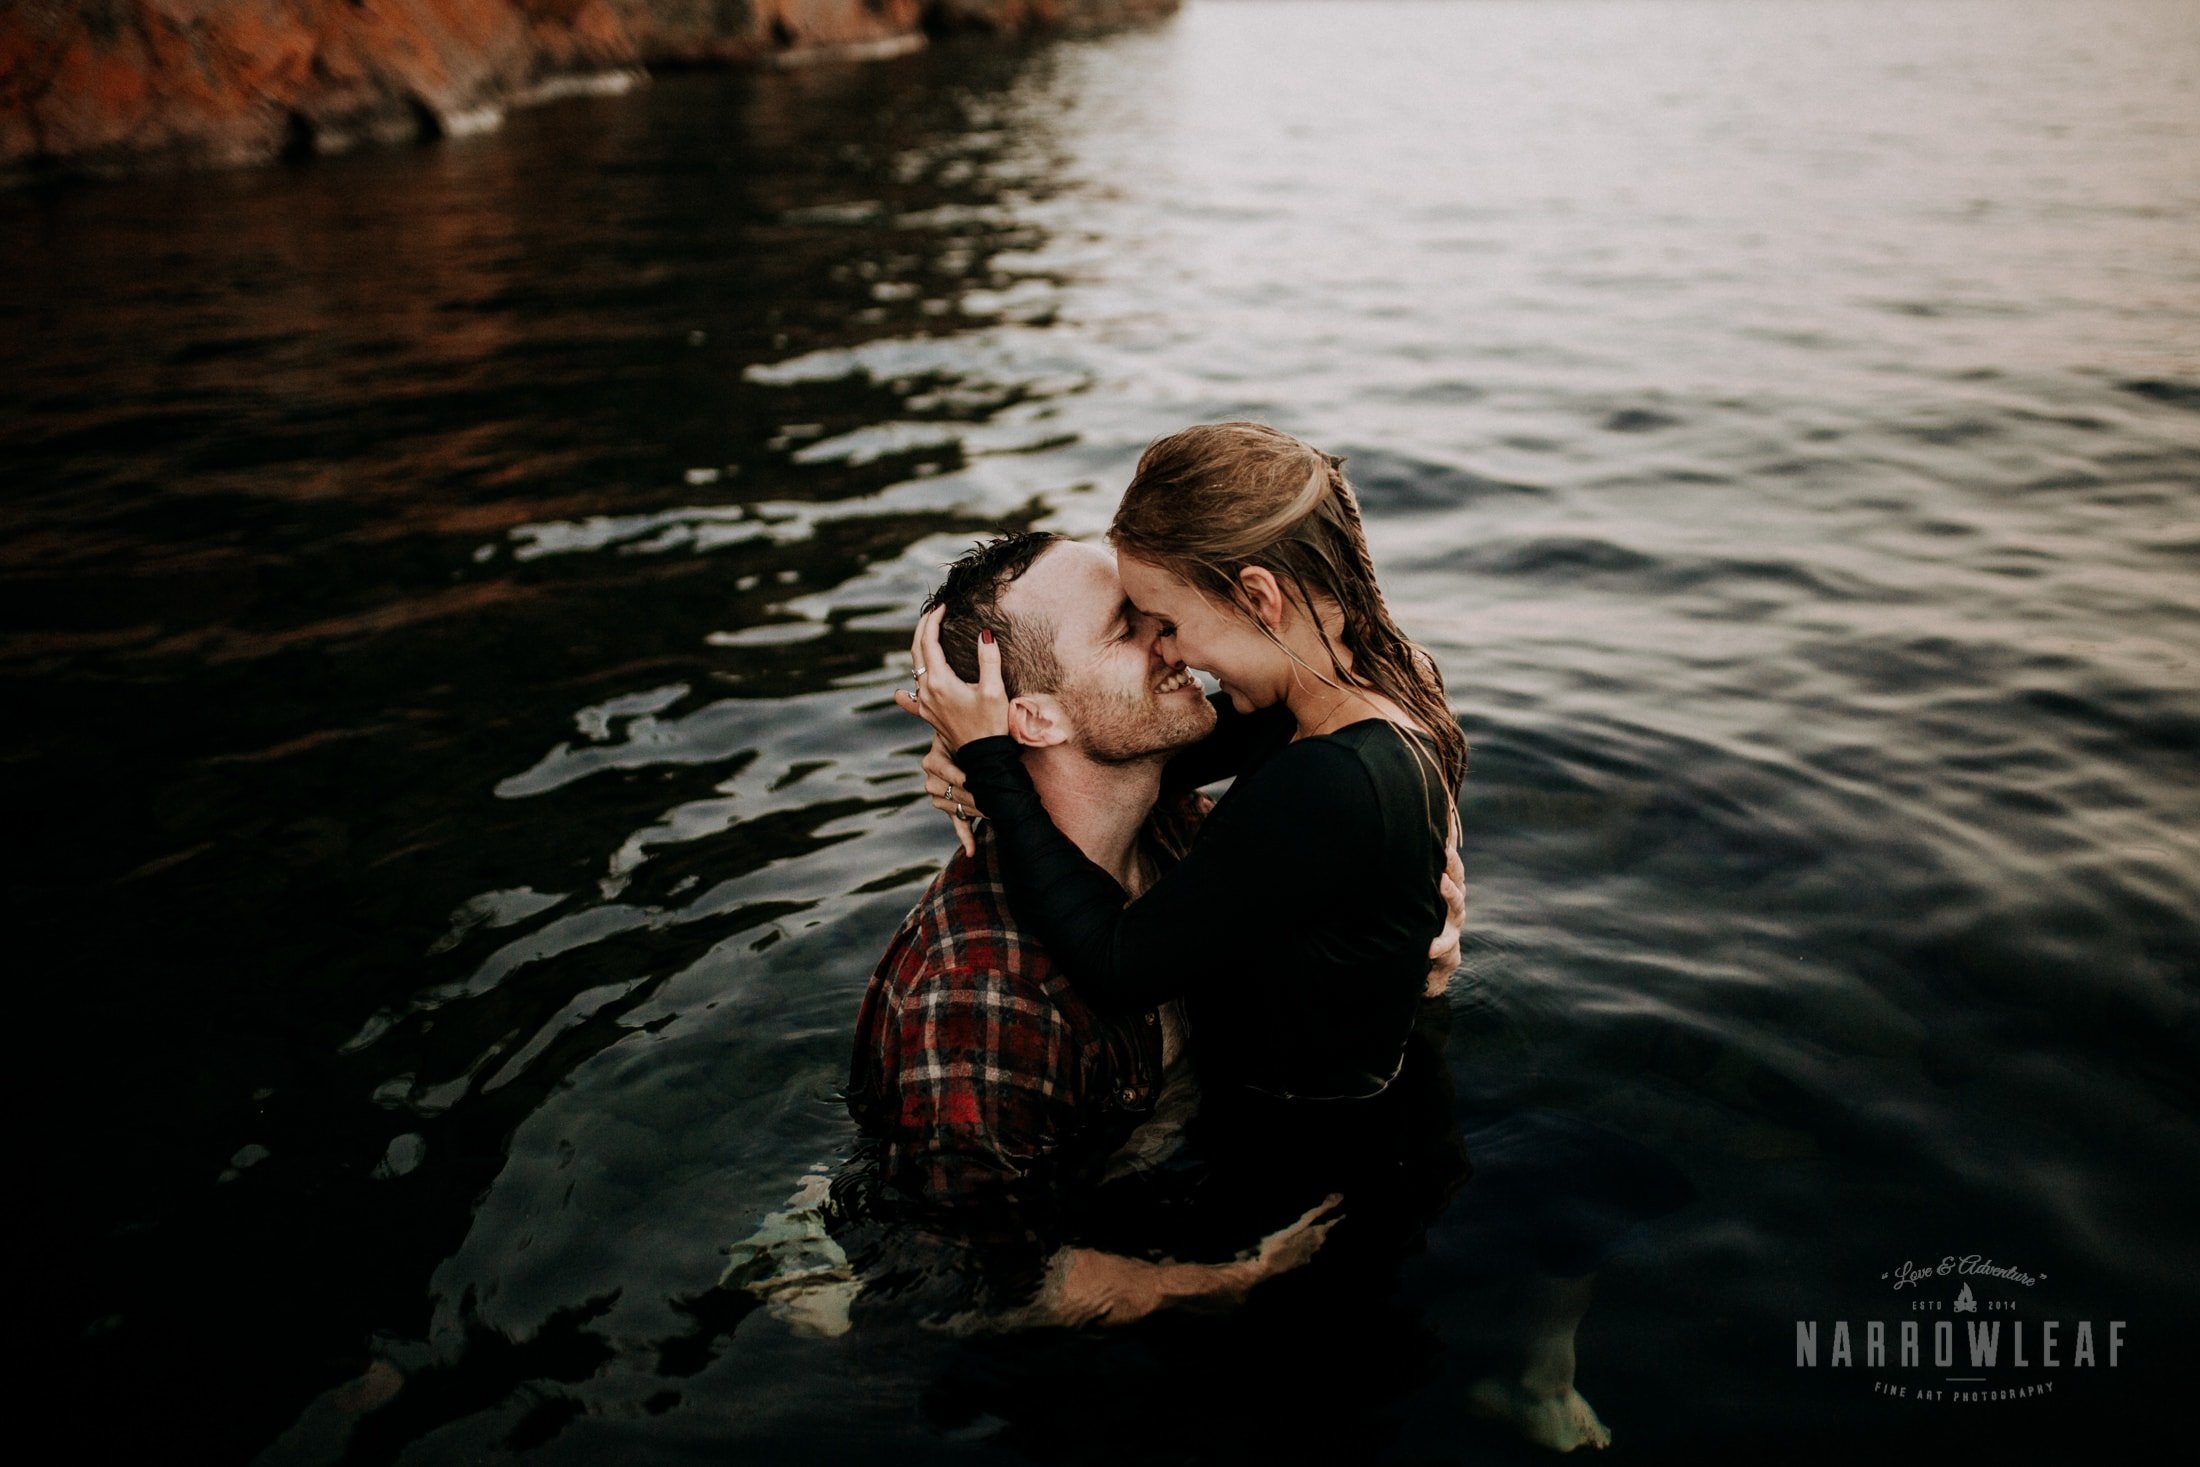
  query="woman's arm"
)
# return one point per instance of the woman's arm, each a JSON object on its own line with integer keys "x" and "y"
{"x": 1228, "y": 744}
{"x": 1304, "y": 835}
{"x": 1220, "y": 755}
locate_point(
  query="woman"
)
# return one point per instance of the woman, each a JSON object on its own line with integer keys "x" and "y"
{"x": 1299, "y": 924}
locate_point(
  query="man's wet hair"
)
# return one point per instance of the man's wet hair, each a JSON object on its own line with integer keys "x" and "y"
{"x": 972, "y": 594}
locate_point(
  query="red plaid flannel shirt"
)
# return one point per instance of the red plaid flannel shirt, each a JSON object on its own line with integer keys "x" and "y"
{"x": 983, "y": 1077}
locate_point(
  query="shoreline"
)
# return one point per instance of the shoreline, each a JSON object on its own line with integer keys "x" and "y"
{"x": 112, "y": 89}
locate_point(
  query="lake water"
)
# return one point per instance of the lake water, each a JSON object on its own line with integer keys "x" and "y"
{"x": 453, "y": 597}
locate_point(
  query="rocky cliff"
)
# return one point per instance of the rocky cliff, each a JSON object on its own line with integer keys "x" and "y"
{"x": 108, "y": 85}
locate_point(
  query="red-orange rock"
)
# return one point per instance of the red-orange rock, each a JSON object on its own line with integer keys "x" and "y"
{"x": 106, "y": 85}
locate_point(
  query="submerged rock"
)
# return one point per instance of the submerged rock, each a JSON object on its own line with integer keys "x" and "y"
{"x": 114, "y": 85}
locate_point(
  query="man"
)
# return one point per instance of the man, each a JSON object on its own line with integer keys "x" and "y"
{"x": 989, "y": 1094}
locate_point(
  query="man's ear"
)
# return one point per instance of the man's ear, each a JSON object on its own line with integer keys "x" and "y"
{"x": 1036, "y": 721}
{"x": 1263, "y": 596}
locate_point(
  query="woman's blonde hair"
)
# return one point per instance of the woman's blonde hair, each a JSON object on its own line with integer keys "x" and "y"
{"x": 1212, "y": 500}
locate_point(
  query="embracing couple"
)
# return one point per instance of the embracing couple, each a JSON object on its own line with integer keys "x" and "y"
{"x": 1111, "y": 952}
{"x": 1026, "y": 1036}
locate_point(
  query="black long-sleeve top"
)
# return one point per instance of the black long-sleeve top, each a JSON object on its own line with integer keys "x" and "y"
{"x": 1298, "y": 925}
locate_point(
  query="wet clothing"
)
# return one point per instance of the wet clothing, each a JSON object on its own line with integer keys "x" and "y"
{"x": 1297, "y": 926}
{"x": 1006, "y": 1044}
{"x": 988, "y": 1092}
{"x": 1396, "y": 1158}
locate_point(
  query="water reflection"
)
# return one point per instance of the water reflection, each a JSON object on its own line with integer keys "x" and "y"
{"x": 452, "y": 596}
{"x": 438, "y": 452}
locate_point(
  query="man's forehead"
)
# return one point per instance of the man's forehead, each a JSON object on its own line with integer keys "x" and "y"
{"x": 1073, "y": 585}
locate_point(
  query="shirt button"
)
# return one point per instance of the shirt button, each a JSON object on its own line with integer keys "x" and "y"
{"x": 1153, "y": 1019}
{"x": 1130, "y": 1095}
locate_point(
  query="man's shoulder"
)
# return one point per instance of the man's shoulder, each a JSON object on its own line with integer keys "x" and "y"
{"x": 962, "y": 935}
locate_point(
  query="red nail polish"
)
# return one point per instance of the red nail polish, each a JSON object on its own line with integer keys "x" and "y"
{"x": 986, "y": 635}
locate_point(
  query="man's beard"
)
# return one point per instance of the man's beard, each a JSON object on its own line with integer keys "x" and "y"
{"x": 1113, "y": 729}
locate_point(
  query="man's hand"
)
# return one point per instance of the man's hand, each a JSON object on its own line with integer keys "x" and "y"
{"x": 1443, "y": 953}
{"x": 1294, "y": 1243}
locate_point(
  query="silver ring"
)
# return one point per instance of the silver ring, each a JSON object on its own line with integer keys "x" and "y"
{"x": 920, "y": 670}
{"x": 960, "y": 813}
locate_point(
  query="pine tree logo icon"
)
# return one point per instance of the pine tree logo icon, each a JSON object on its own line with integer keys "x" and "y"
{"x": 1965, "y": 1304}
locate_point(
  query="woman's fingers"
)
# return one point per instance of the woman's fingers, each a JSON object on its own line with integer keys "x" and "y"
{"x": 929, "y": 655}
{"x": 1452, "y": 886}
{"x": 1443, "y": 947}
{"x": 989, "y": 666}
{"x": 954, "y": 800}
{"x": 943, "y": 785}
{"x": 925, "y": 661}
{"x": 907, "y": 702}
{"x": 1443, "y": 951}
{"x": 958, "y": 807}
{"x": 940, "y": 765}
{"x": 958, "y": 711}
{"x": 917, "y": 665}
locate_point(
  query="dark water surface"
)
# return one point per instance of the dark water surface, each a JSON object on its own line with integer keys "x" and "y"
{"x": 452, "y": 598}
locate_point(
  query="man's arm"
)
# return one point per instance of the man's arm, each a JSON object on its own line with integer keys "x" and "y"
{"x": 1085, "y": 1286}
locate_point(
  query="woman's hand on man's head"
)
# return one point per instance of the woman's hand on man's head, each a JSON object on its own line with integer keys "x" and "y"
{"x": 958, "y": 711}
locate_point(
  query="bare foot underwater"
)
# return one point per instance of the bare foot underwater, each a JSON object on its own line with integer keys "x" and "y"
{"x": 1541, "y": 1401}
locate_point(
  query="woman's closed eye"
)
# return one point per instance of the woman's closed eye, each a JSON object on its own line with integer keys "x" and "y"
{"x": 1145, "y": 627}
